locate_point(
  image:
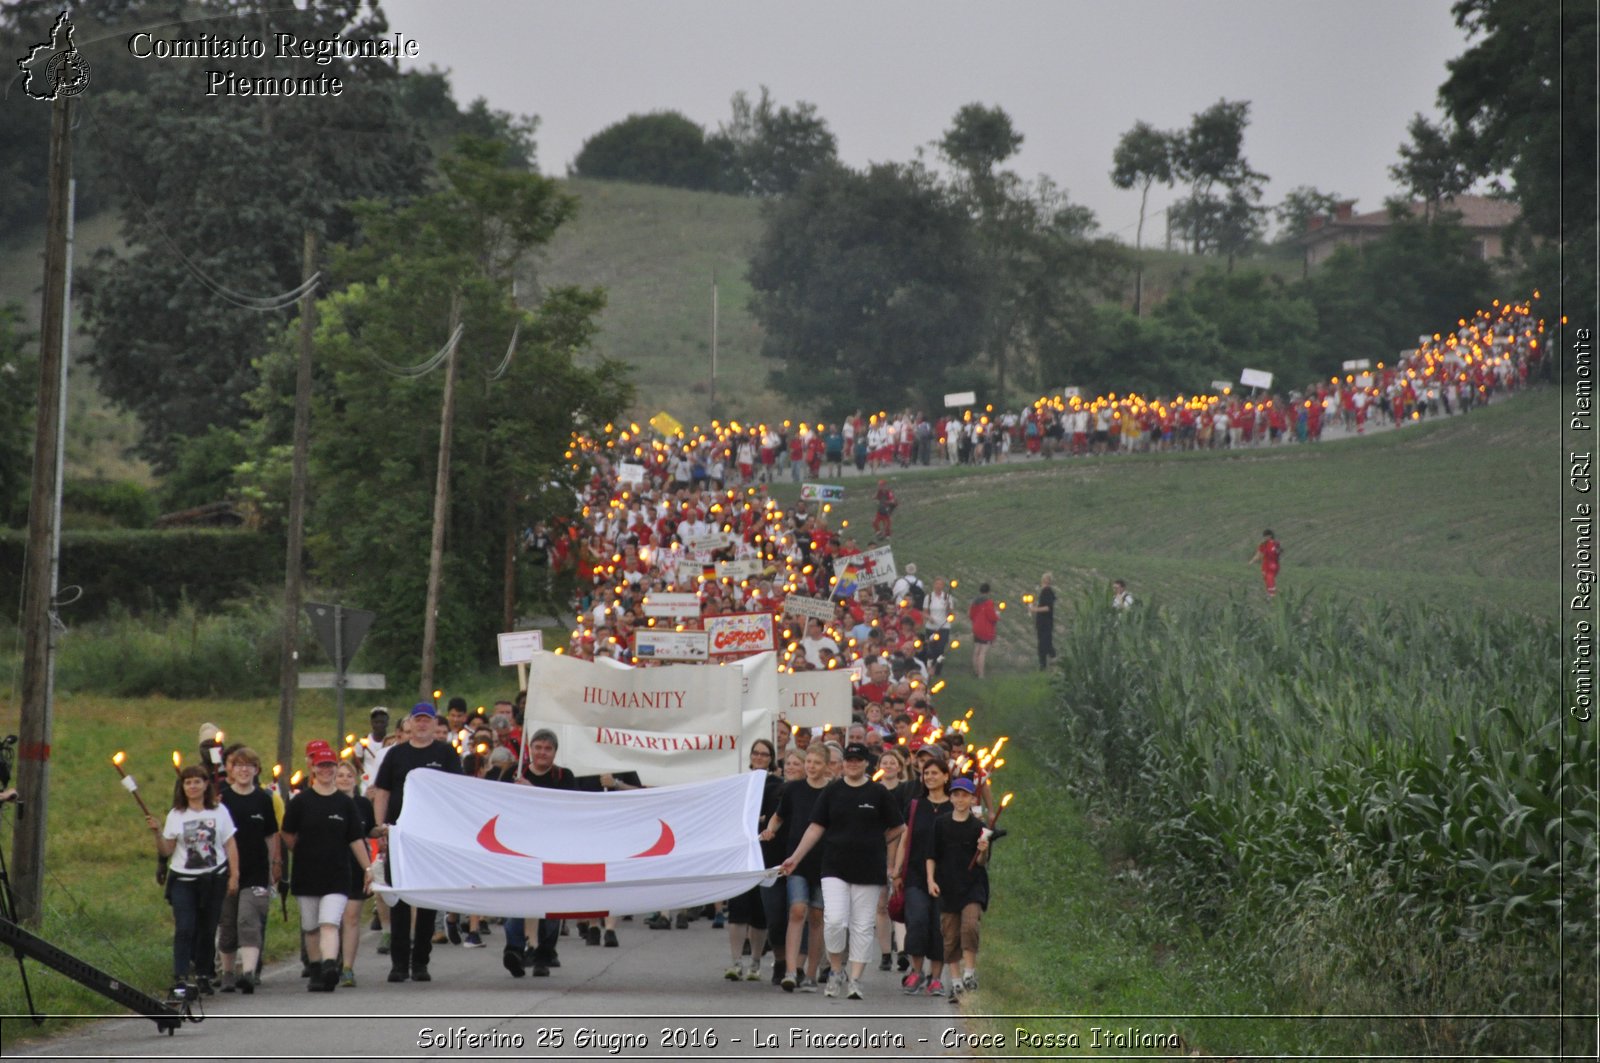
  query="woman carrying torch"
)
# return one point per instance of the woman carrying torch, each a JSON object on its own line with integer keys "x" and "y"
{"x": 202, "y": 871}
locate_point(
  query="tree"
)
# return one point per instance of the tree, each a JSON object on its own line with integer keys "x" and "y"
{"x": 19, "y": 390}
{"x": 1143, "y": 156}
{"x": 867, "y": 287}
{"x": 1302, "y": 204}
{"x": 979, "y": 139}
{"x": 1209, "y": 155}
{"x": 766, "y": 150}
{"x": 661, "y": 148}
{"x": 1522, "y": 99}
{"x": 1430, "y": 166}
{"x": 374, "y": 449}
{"x": 213, "y": 202}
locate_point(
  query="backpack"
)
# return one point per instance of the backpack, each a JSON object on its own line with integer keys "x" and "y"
{"x": 916, "y": 592}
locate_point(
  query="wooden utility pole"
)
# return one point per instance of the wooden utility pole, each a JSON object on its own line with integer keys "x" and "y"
{"x": 441, "y": 507}
{"x": 293, "y": 582}
{"x": 36, "y": 726}
{"x": 713, "y": 413}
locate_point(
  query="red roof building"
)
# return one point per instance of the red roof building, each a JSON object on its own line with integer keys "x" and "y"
{"x": 1485, "y": 219}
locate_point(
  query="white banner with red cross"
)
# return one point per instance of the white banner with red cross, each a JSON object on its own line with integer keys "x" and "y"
{"x": 494, "y": 848}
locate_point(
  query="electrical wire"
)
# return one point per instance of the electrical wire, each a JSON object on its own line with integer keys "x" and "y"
{"x": 500, "y": 370}
{"x": 421, "y": 369}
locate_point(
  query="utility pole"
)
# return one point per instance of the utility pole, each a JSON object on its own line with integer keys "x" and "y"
{"x": 441, "y": 507}
{"x": 289, "y": 658}
{"x": 36, "y": 726}
{"x": 712, "y": 415}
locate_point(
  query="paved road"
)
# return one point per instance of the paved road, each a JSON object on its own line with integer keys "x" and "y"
{"x": 662, "y": 993}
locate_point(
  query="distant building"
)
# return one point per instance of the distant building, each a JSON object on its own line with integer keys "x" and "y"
{"x": 1484, "y": 219}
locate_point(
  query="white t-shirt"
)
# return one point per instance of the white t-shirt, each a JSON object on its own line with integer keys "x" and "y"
{"x": 202, "y": 838}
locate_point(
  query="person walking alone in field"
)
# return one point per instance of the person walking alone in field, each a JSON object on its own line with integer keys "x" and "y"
{"x": 985, "y": 618}
{"x": 1270, "y": 553}
{"x": 1043, "y": 608}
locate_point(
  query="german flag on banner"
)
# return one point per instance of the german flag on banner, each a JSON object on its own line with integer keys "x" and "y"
{"x": 666, "y": 424}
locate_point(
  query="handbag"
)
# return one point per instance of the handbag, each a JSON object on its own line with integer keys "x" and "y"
{"x": 897, "y": 899}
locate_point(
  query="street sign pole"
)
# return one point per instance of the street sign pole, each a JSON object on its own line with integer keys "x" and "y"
{"x": 339, "y": 663}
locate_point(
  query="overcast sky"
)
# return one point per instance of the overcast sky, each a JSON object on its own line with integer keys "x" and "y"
{"x": 1332, "y": 83}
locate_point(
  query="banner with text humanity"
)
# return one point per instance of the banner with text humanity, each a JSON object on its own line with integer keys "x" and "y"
{"x": 672, "y": 724}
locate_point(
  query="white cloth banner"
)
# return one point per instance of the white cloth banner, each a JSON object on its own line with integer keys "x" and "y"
{"x": 470, "y": 845}
{"x": 672, "y": 724}
{"x": 759, "y": 674}
{"x": 816, "y": 699}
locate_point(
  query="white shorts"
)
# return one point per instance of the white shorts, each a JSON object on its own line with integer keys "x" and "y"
{"x": 327, "y": 910}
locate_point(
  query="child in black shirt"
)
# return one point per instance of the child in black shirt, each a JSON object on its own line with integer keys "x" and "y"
{"x": 958, "y": 877}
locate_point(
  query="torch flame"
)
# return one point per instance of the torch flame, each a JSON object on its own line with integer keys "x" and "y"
{"x": 119, "y": 758}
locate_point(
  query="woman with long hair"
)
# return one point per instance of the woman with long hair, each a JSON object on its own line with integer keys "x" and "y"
{"x": 202, "y": 872}
{"x": 747, "y": 912}
{"x": 803, "y": 883}
{"x": 924, "y": 937}
{"x": 346, "y": 777}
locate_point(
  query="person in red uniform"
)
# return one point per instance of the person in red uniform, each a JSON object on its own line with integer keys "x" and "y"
{"x": 883, "y": 524}
{"x": 1269, "y": 552}
{"x": 985, "y": 618}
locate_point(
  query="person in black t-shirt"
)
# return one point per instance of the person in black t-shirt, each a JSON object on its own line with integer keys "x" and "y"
{"x": 855, "y": 819}
{"x": 1043, "y": 608}
{"x": 323, "y": 828}
{"x": 958, "y": 876}
{"x": 411, "y": 940}
{"x": 540, "y": 770}
{"x": 796, "y": 801}
{"x": 244, "y": 915}
{"x": 348, "y": 779}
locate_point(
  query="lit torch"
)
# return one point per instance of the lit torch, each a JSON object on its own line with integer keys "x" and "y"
{"x": 129, "y": 783}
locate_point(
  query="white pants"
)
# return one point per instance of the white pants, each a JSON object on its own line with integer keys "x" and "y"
{"x": 850, "y": 912}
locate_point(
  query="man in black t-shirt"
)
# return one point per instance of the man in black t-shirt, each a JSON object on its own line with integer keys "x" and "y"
{"x": 540, "y": 770}
{"x": 1043, "y": 608}
{"x": 411, "y": 943}
{"x": 244, "y": 914}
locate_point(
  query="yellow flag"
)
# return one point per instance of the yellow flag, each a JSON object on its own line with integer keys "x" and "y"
{"x": 666, "y": 424}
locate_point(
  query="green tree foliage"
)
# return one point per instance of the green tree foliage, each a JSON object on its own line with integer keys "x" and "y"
{"x": 1142, "y": 157}
{"x": 224, "y": 193}
{"x": 1523, "y": 99}
{"x": 661, "y": 148}
{"x": 1222, "y": 214}
{"x": 1302, "y": 204}
{"x": 19, "y": 391}
{"x": 979, "y": 139}
{"x": 1374, "y": 300}
{"x": 1258, "y": 321}
{"x": 867, "y": 287}
{"x": 427, "y": 99}
{"x": 376, "y": 432}
{"x": 765, "y": 150}
{"x": 1431, "y": 165}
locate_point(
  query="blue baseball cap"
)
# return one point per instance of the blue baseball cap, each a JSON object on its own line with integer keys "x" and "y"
{"x": 964, "y": 784}
{"x": 424, "y": 708}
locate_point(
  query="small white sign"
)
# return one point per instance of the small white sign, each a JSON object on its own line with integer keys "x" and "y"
{"x": 1357, "y": 363}
{"x": 630, "y": 473}
{"x": 745, "y": 569}
{"x": 1072, "y": 393}
{"x": 821, "y": 493}
{"x": 652, "y": 644}
{"x": 961, "y": 398}
{"x": 1255, "y": 378}
{"x": 518, "y": 647}
{"x": 809, "y": 608}
{"x": 674, "y": 606}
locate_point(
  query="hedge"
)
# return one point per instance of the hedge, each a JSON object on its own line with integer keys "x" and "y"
{"x": 151, "y": 570}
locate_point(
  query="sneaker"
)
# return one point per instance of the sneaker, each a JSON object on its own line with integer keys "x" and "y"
{"x": 611, "y": 939}
{"x": 912, "y": 983}
{"x": 228, "y": 981}
{"x": 683, "y": 921}
{"x": 398, "y": 974}
{"x": 207, "y": 986}
{"x": 347, "y": 978}
{"x": 330, "y": 975}
{"x": 452, "y": 930}
{"x": 780, "y": 971}
{"x": 787, "y": 982}
{"x": 753, "y": 972}
{"x": 809, "y": 985}
{"x": 473, "y": 941}
{"x": 307, "y": 969}
{"x": 591, "y": 935}
{"x": 935, "y": 988}
{"x": 658, "y": 922}
{"x": 887, "y": 962}
{"x": 246, "y": 984}
{"x": 512, "y": 959}
{"x": 383, "y": 944}
{"x": 904, "y": 962}
{"x": 734, "y": 973}
{"x": 420, "y": 974}
{"x": 969, "y": 981}
{"x": 719, "y": 921}
{"x": 832, "y": 988}
{"x": 540, "y": 970}
{"x": 316, "y": 985}
{"x": 852, "y": 988}
{"x": 955, "y": 991}
{"x": 553, "y": 962}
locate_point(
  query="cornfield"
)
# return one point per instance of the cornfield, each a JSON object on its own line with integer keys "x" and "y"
{"x": 1382, "y": 806}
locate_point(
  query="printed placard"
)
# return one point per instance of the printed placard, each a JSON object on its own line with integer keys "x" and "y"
{"x": 815, "y": 699}
{"x": 808, "y": 608}
{"x": 961, "y": 398}
{"x": 707, "y": 543}
{"x": 737, "y": 634}
{"x": 658, "y": 645}
{"x": 678, "y": 606}
{"x": 866, "y": 569}
{"x": 821, "y": 493}
{"x": 518, "y": 647}
{"x": 748, "y": 568}
{"x": 1255, "y": 378}
{"x": 630, "y": 473}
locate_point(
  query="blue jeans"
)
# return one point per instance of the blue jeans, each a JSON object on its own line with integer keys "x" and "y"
{"x": 196, "y": 909}
{"x": 546, "y": 935}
